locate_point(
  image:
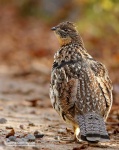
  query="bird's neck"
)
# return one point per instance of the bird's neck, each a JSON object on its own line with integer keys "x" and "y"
{"x": 76, "y": 41}
{"x": 72, "y": 51}
{"x": 64, "y": 41}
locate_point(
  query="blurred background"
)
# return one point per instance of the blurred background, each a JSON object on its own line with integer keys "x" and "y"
{"x": 27, "y": 44}
{"x": 27, "y": 47}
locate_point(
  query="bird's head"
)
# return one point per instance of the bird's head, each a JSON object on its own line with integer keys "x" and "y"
{"x": 66, "y": 33}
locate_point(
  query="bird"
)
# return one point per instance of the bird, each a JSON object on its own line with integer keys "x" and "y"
{"x": 80, "y": 87}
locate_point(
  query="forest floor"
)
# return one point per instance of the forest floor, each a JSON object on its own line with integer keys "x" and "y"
{"x": 28, "y": 121}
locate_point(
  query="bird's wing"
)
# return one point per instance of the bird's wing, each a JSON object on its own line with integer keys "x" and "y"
{"x": 63, "y": 90}
{"x": 103, "y": 80}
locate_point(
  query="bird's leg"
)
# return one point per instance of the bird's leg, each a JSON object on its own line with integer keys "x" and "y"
{"x": 76, "y": 134}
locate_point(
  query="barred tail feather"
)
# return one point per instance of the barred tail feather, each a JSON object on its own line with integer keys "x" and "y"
{"x": 92, "y": 128}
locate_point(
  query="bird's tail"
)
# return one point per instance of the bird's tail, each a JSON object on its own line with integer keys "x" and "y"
{"x": 92, "y": 128}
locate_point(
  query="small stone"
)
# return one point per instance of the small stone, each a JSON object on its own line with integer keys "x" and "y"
{"x": 21, "y": 126}
{"x": 24, "y": 139}
{"x": 38, "y": 135}
{"x": 9, "y": 127}
{"x": 31, "y": 124}
{"x": 12, "y": 138}
{"x": 30, "y": 137}
{"x": 3, "y": 120}
{"x": 56, "y": 138}
{"x": 8, "y": 140}
{"x": 36, "y": 132}
{"x": 18, "y": 140}
{"x": 21, "y": 141}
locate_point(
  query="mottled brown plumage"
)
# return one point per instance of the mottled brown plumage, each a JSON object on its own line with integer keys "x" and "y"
{"x": 80, "y": 90}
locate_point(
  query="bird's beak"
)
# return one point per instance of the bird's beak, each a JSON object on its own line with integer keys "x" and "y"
{"x": 53, "y": 28}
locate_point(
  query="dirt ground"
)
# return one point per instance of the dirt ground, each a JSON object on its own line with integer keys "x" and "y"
{"x": 26, "y": 110}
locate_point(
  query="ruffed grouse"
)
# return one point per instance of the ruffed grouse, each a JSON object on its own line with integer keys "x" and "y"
{"x": 80, "y": 90}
